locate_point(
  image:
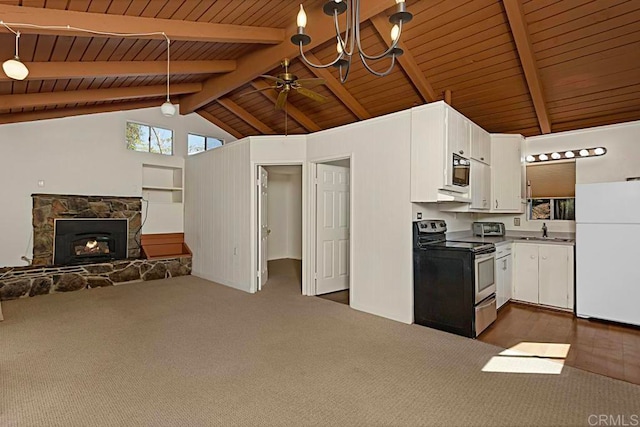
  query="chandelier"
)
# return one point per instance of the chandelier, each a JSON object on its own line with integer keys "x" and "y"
{"x": 345, "y": 47}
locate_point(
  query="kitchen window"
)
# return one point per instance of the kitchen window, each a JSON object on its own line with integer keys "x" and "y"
{"x": 551, "y": 191}
{"x": 199, "y": 143}
{"x": 149, "y": 139}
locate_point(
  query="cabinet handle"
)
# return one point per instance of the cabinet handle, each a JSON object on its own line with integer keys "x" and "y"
{"x": 544, "y": 257}
{"x": 533, "y": 257}
{"x": 461, "y": 152}
{"x": 481, "y": 158}
{"x": 496, "y": 203}
{"x": 504, "y": 267}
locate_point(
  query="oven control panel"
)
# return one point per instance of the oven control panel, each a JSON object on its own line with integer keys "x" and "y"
{"x": 429, "y": 226}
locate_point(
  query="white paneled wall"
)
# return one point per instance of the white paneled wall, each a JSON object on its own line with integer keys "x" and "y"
{"x": 285, "y": 212}
{"x": 381, "y": 252}
{"x": 217, "y": 214}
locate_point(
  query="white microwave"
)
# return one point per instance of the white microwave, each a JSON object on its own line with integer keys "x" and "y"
{"x": 458, "y": 173}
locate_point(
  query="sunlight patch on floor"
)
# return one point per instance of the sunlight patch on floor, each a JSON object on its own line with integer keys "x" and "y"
{"x": 530, "y": 358}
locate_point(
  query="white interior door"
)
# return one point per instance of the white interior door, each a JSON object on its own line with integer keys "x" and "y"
{"x": 263, "y": 226}
{"x": 332, "y": 229}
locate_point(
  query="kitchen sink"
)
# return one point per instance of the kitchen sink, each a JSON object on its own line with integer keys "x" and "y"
{"x": 545, "y": 239}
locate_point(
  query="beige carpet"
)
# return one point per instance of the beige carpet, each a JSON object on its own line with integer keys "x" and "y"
{"x": 186, "y": 351}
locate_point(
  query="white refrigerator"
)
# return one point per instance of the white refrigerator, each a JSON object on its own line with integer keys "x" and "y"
{"x": 608, "y": 251}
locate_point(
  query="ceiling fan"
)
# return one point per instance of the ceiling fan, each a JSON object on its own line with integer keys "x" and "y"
{"x": 286, "y": 82}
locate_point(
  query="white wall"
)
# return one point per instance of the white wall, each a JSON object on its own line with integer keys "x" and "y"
{"x": 83, "y": 155}
{"x": 460, "y": 221}
{"x": 381, "y": 272}
{"x": 620, "y": 163}
{"x": 217, "y": 214}
{"x": 285, "y": 212}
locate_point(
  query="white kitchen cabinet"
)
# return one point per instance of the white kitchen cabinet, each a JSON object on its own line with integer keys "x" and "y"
{"x": 504, "y": 274}
{"x": 480, "y": 144}
{"x": 437, "y": 131}
{"x": 525, "y": 286}
{"x": 458, "y": 134}
{"x": 480, "y": 186}
{"x": 544, "y": 274}
{"x": 507, "y": 174}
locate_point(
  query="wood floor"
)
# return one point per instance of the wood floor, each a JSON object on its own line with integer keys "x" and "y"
{"x": 604, "y": 348}
{"x": 341, "y": 296}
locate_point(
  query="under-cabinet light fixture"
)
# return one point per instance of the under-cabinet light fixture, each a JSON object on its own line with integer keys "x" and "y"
{"x": 15, "y": 69}
{"x": 569, "y": 154}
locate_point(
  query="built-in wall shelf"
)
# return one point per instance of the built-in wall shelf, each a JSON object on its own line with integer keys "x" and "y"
{"x": 162, "y": 184}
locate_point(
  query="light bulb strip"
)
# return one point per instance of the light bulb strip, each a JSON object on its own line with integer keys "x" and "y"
{"x": 566, "y": 154}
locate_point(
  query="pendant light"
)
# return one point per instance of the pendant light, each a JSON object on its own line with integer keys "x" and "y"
{"x": 168, "y": 109}
{"x": 14, "y": 68}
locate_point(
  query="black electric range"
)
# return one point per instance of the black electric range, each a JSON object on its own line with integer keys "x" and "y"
{"x": 454, "y": 283}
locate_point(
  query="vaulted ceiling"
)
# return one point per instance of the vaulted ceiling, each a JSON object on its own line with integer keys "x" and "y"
{"x": 526, "y": 66}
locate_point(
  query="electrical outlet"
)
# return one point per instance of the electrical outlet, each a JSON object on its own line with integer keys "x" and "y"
{"x": 419, "y": 215}
{"x": 516, "y": 222}
{"x": 41, "y": 183}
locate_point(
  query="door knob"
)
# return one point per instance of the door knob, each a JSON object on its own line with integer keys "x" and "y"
{"x": 544, "y": 257}
{"x": 461, "y": 152}
{"x": 533, "y": 257}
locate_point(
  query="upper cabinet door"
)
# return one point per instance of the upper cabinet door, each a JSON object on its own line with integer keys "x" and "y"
{"x": 480, "y": 144}
{"x": 458, "y": 134}
{"x": 507, "y": 173}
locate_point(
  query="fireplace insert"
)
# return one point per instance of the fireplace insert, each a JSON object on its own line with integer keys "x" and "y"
{"x": 79, "y": 241}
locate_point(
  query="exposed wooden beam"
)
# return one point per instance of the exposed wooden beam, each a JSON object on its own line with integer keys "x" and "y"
{"x": 407, "y": 61}
{"x": 173, "y": 28}
{"x": 57, "y": 113}
{"x": 447, "y": 96}
{"x": 520, "y": 32}
{"x": 338, "y": 89}
{"x": 261, "y": 61}
{"x": 293, "y": 112}
{"x": 28, "y": 100}
{"x": 246, "y": 116}
{"x": 222, "y": 125}
{"x": 79, "y": 70}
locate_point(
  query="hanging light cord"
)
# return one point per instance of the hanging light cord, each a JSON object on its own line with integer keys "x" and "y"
{"x": 9, "y": 25}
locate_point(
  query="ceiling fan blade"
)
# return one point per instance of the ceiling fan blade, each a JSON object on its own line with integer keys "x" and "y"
{"x": 310, "y": 82}
{"x": 257, "y": 90}
{"x": 282, "y": 99}
{"x": 311, "y": 94}
{"x": 272, "y": 78}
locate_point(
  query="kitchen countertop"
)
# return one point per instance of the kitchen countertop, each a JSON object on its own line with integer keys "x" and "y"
{"x": 514, "y": 236}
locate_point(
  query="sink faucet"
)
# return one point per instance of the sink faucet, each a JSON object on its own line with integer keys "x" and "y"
{"x": 544, "y": 230}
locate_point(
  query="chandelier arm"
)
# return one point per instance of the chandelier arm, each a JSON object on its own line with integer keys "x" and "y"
{"x": 330, "y": 64}
{"x": 344, "y": 43}
{"x": 377, "y": 73}
{"x": 393, "y": 45}
{"x": 343, "y": 78}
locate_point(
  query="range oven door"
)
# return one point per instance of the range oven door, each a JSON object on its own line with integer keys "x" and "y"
{"x": 485, "y": 283}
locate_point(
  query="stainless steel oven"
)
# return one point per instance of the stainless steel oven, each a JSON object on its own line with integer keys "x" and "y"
{"x": 485, "y": 283}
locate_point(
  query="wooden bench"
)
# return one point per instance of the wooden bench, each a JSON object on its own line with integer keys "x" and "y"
{"x": 164, "y": 245}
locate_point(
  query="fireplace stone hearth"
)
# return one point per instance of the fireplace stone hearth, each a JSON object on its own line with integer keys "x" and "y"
{"x": 49, "y": 207}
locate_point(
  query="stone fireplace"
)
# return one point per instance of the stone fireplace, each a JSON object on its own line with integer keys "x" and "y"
{"x": 47, "y": 208}
{"x": 93, "y": 247}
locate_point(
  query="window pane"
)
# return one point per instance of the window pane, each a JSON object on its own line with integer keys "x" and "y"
{"x": 161, "y": 141}
{"x": 540, "y": 209}
{"x": 213, "y": 143}
{"x": 137, "y": 136}
{"x": 564, "y": 209}
{"x": 195, "y": 143}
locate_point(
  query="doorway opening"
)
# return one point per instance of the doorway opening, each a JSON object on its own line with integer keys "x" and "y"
{"x": 280, "y": 227}
{"x": 332, "y": 230}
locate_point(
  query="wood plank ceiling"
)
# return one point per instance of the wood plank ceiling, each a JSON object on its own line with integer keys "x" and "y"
{"x": 521, "y": 66}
